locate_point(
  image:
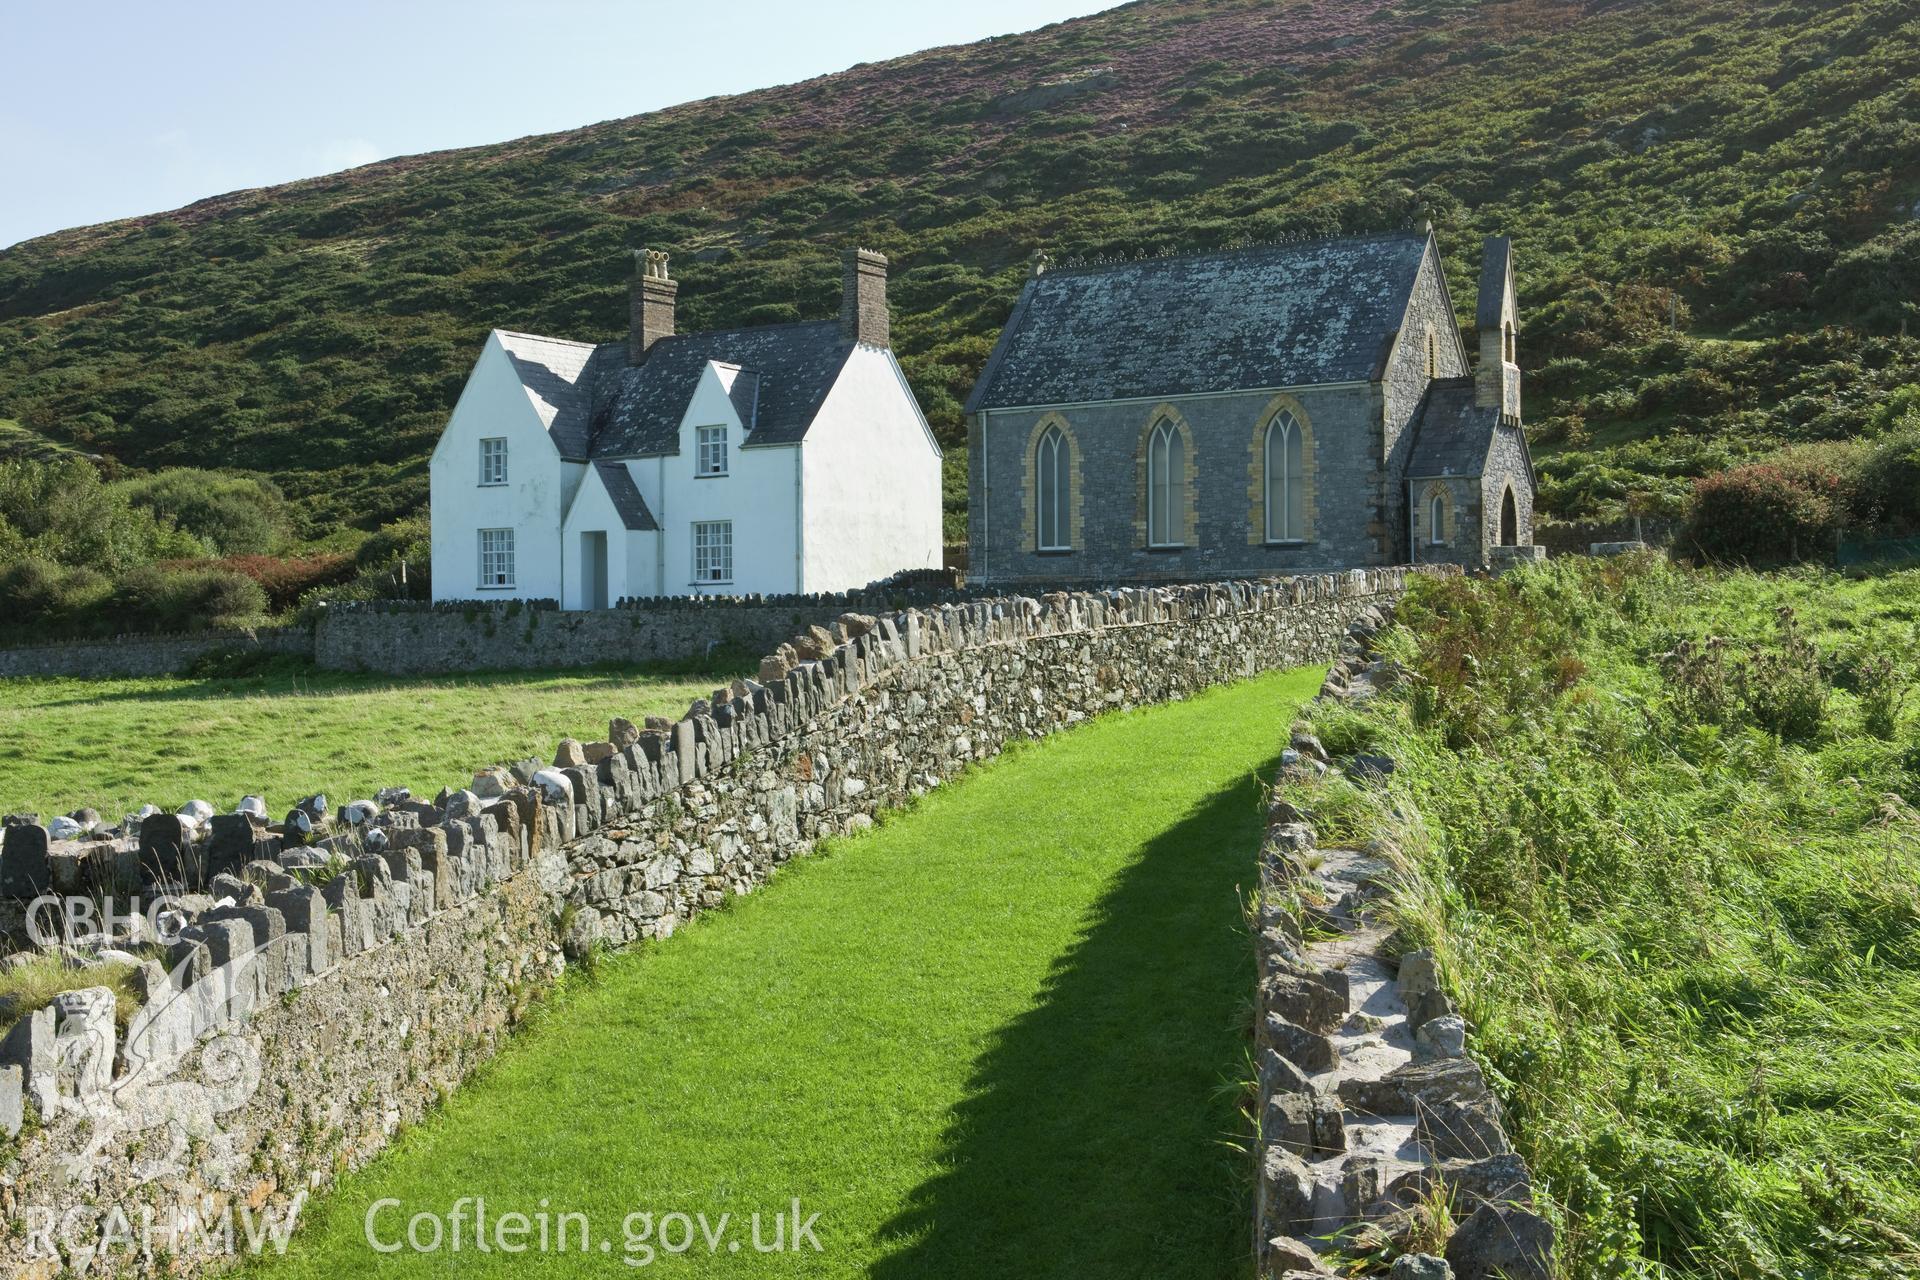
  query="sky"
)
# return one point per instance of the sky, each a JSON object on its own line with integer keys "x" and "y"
{"x": 116, "y": 108}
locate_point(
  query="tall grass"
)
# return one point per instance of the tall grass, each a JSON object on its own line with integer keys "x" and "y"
{"x": 1678, "y": 898}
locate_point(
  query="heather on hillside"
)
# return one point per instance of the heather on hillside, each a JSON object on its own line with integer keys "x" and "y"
{"x": 1716, "y": 206}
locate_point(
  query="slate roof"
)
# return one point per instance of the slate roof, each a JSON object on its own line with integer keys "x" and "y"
{"x": 637, "y": 410}
{"x": 1452, "y": 434}
{"x": 626, "y": 496}
{"x": 595, "y": 405}
{"x": 1287, "y": 315}
{"x": 555, "y": 375}
{"x": 1493, "y": 283}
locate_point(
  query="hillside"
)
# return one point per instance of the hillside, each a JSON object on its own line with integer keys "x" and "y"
{"x": 1747, "y": 169}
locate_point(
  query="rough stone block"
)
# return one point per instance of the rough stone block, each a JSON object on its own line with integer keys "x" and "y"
{"x": 304, "y": 911}
{"x": 1298, "y": 1045}
{"x": 1310, "y": 1125}
{"x": 1456, "y": 1129}
{"x": 26, "y": 870}
{"x": 1502, "y": 1241}
{"x": 166, "y": 849}
{"x": 29, "y": 1046}
{"x": 1286, "y": 1194}
{"x": 1310, "y": 1000}
{"x": 12, "y": 1100}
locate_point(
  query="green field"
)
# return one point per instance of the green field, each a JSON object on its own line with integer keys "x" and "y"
{"x": 116, "y": 744}
{"x": 1000, "y": 1035}
{"x": 1669, "y": 851}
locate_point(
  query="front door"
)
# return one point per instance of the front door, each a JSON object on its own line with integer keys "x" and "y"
{"x": 593, "y": 570}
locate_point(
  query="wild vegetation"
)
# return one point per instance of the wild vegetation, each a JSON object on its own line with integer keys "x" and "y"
{"x": 1665, "y": 836}
{"x": 286, "y": 730}
{"x": 1716, "y": 206}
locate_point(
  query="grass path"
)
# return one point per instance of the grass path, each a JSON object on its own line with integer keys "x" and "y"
{"x": 115, "y": 744}
{"x": 996, "y": 1036}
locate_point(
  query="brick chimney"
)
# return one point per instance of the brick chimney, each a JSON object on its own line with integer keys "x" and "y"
{"x": 650, "y": 300}
{"x": 863, "y": 300}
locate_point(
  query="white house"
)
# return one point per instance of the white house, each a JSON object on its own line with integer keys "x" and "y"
{"x": 773, "y": 459}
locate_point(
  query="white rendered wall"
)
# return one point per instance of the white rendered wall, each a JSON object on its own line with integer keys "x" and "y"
{"x": 871, "y": 480}
{"x": 494, "y": 403}
{"x": 757, "y": 494}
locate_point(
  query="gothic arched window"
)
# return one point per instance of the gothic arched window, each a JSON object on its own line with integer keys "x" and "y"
{"x": 1437, "y": 519}
{"x": 1166, "y": 483}
{"x": 1286, "y": 479}
{"x": 1052, "y": 492}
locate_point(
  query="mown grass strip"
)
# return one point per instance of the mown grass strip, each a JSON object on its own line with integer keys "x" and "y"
{"x": 997, "y": 1036}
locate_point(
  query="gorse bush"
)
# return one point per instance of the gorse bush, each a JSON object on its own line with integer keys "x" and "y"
{"x": 1680, "y": 897}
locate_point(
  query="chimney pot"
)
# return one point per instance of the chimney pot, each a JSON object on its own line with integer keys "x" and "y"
{"x": 650, "y": 303}
{"x": 863, "y": 299}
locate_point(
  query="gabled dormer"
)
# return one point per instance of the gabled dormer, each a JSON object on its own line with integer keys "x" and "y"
{"x": 1497, "y": 380}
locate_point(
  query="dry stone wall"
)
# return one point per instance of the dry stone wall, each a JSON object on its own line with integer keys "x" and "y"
{"x": 148, "y": 655}
{"x": 332, "y": 982}
{"x": 1371, "y": 1112}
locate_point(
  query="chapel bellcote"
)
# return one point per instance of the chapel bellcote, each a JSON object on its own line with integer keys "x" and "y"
{"x": 1497, "y": 380}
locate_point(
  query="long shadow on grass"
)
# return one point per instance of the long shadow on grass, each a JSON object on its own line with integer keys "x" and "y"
{"x": 1093, "y": 1139}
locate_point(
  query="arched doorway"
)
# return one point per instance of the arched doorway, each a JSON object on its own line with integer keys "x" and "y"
{"x": 1509, "y": 520}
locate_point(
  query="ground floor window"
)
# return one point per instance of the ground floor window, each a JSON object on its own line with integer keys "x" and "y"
{"x": 713, "y": 551}
{"x": 1437, "y": 519}
{"x": 496, "y": 558}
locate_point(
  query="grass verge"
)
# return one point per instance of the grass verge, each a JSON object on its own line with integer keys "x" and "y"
{"x": 293, "y": 730}
{"x": 1661, "y": 826}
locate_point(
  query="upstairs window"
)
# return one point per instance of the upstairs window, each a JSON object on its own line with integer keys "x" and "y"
{"x": 493, "y": 460}
{"x": 1055, "y": 529}
{"x": 1286, "y": 479}
{"x": 496, "y": 559}
{"x": 713, "y": 551}
{"x": 713, "y": 451}
{"x": 1433, "y": 354}
{"x": 1166, "y": 485}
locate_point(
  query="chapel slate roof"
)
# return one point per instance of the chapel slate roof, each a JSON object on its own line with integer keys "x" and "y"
{"x": 1287, "y": 315}
{"x": 1452, "y": 434}
{"x": 625, "y": 494}
{"x": 557, "y": 379}
{"x": 637, "y": 409}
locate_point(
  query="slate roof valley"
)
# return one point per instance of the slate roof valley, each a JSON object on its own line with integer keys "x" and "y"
{"x": 597, "y": 406}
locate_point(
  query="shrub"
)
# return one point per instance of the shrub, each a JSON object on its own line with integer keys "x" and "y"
{"x": 63, "y": 512}
{"x": 154, "y": 598}
{"x": 1885, "y": 492}
{"x": 234, "y": 514}
{"x": 1766, "y": 511}
{"x": 284, "y": 579}
{"x": 41, "y": 596}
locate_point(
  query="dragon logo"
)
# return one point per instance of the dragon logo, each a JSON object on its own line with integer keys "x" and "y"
{"x": 198, "y": 1025}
